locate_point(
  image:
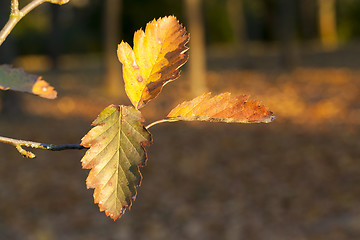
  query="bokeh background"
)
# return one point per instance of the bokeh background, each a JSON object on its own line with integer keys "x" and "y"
{"x": 297, "y": 178}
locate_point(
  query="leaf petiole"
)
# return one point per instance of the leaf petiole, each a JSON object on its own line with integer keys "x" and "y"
{"x": 159, "y": 121}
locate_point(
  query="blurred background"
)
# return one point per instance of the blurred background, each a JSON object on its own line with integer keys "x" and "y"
{"x": 296, "y": 178}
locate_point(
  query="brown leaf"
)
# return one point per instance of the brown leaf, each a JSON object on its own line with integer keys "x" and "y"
{"x": 221, "y": 108}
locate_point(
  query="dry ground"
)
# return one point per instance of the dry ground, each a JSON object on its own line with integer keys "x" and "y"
{"x": 296, "y": 178}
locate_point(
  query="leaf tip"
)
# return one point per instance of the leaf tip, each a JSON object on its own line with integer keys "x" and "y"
{"x": 43, "y": 89}
{"x": 123, "y": 51}
{"x": 270, "y": 118}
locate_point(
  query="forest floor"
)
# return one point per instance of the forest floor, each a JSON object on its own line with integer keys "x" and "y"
{"x": 296, "y": 178}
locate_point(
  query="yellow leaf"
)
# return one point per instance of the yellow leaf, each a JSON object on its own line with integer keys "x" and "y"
{"x": 158, "y": 54}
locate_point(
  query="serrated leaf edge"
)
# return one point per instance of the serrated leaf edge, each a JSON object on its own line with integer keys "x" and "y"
{"x": 119, "y": 167}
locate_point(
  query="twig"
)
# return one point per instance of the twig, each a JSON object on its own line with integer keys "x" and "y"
{"x": 22, "y": 143}
{"x": 19, "y": 144}
{"x": 53, "y": 147}
{"x": 14, "y": 7}
{"x": 16, "y": 14}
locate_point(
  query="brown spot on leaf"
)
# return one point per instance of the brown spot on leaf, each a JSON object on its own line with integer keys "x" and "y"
{"x": 139, "y": 78}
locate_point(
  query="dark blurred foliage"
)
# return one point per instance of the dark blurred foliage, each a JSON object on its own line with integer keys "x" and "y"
{"x": 348, "y": 19}
{"x": 81, "y": 25}
{"x": 217, "y": 23}
{"x": 80, "y": 29}
{"x": 260, "y": 19}
{"x": 138, "y": 12}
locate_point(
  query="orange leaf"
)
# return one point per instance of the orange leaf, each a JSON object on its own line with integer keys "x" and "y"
{"x": 158, "y": 54}
{"x": 221, "y": 108}
{"x": 43, "y": 89}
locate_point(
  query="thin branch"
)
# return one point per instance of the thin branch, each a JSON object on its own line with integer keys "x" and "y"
{"x": 53, "y": 147}
{"x": 19, "y": 144}
{"x": 7, "y": 28}
{"x": 22, "y": 143}
{"x": 16, "y": 14}
{"x": 33, "y": 4}
{"x": 14, "y": 7}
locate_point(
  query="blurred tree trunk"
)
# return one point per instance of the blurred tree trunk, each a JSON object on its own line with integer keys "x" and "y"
{"x": 238, "y": 24}
{"x": 112, "y": 21}
{"x": 54, "y": 45}
{"x": 197, "y": 60}
{"x": 327, "y": 23}
{"x": 286, "y": 34}
{"x": 10, "y": 101}
{"x": 308, "y": 19}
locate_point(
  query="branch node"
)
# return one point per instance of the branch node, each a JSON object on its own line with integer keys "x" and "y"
{"x": 25, "y": 153}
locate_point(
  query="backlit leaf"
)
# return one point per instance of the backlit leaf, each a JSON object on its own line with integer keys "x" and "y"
{"x": 60, "y": 2}
{"x": 221, "y": 108}
{"x": 158, "y": 54}
{"x": 115, "y": 155}
{"x": 18, "y": 80}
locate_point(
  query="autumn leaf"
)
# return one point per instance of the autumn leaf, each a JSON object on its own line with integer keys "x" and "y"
{"x": 158, "y": 54}
{"x": 60, "y": 2}
{"x": 18, "y": 80}
{"x": 116, "y": 152}
{"x": 221, "y": 108}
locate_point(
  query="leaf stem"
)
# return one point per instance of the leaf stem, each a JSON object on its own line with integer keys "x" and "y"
{"x": 16, "y": 15}
{"x": 22, "y": 143}
{"x": 159, "y": 121}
